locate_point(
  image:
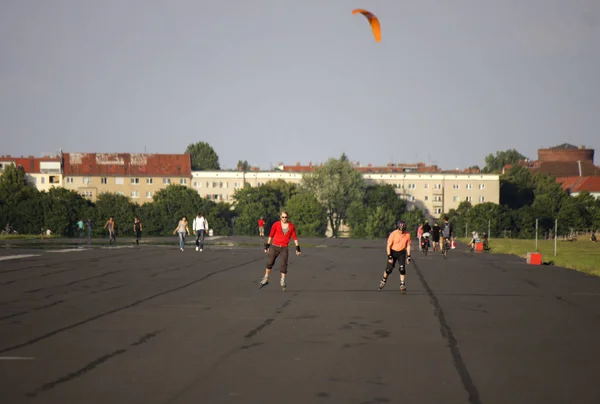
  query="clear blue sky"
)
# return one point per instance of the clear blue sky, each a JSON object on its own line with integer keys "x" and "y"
{"x": 272, "y": 81}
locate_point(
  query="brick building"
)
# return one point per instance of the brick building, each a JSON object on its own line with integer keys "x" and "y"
{"x": 42, "y": 173}
{"x": 136, "y": 176}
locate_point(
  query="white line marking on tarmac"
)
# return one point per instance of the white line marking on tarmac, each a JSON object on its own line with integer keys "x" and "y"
{"x": 14, "y": 257}
{"x": 68, "y": 250}
{"x": 16, "y": 358}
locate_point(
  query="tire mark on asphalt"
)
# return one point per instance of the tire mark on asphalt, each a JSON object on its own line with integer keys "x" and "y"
{"x": 270, "y": 320}
{"x": 136, "y": 303}
{"x": 93, "y": 364}
{"x": 75, "y": 282}
{"x": 46, "y": 306}
{"x": 446, "y": 331}
{"x": 232, "y": 351}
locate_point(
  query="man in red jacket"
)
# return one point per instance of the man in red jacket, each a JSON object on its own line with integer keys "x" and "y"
{"x": 280, "y": 235}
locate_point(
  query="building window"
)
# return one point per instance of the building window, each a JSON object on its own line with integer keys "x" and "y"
{"x": 87, "y": 180}
{"x": 183, "y": 181}
{"x": 149, "y": 194}
{"x": 426, "y": 186}
{"x": 104, "y": 180}
{"x": 411, "y": 186}
{"x": 469, "y": 186}
{"x": 149, "y": 181}
{"x": 455, "y": 198}
{"x": 468, "y": 199}
{"x": 481, "y": 186}
{"x": 69, "y": 180}
{"x": 119, "y": 181}
{"x": 135, "y": 194}
{"x": 195, "y": 183}
{"x": 135, "y": 181}
{"x": 54, "y": 179}
{"x": 166, "y": 181}
{"x": 437, "y": 198}
{"x": 120, "y": 193}
{"x": 456, "y": 186}
{"x": 481, "y": 199}
{"x": 437, "y": 211}
{"x": 437, "y": 186}
{"x": 43, "y": 180}
{"x": 426, "y": 198}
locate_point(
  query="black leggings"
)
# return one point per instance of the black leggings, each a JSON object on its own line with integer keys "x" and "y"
{"x": 400, "y": 257}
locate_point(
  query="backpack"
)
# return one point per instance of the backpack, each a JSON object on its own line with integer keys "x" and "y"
{"x": 446, "y": 230}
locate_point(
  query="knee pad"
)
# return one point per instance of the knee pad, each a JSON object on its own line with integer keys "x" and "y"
{"x": 389, "y": 268}
{"x": 402, "y": 269}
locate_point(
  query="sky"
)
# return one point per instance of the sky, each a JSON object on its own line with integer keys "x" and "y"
{"x": 288, "y": 81}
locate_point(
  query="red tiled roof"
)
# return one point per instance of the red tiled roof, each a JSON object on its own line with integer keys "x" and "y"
{"x": 31, "y": 165}
{"x": 126, "y": 164}
{"x": 590, "y": 184}
{"x": 568, "y": 182}
{"x": 579, "y": 184}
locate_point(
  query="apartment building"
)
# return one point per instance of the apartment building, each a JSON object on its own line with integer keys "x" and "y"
{"x": 219, "y": 186}
{"x": 137, "y": 176}
{"x": 42, "y": 173}
{"x": 438, "y": 193}
{"x": 435, "y": 193}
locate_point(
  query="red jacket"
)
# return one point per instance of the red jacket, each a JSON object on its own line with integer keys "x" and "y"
{"x": 280, "y": 239}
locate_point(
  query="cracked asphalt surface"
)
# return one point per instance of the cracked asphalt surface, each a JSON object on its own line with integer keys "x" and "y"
{"x": 152, "y": 324}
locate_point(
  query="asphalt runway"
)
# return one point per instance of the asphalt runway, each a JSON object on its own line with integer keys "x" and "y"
{"x": 152, "y": 324}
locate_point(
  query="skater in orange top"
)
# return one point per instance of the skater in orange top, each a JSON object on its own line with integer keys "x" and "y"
{"x": 398, "y": 250}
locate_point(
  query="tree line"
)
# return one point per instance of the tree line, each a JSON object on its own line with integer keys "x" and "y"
{"x": 334, "y": 196}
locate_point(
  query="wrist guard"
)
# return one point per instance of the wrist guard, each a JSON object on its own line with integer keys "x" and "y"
{"x": 298, "y": 248}
{"x": 390, "y": 257}
{"x": 267, "y": 245}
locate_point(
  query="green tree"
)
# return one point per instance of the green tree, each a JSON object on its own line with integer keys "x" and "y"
{"x": 377, "y": 214}
{"x": 308, "y": 215}
{"x": 203, "y": 156}
{"x": 63, "y": 208}
{"x": 549, "y": 197}
{"x": 413, "y": 218}
{"x": 267, "y": 200}
{"x": 336, "y": 185}
{"x": 171, "y": 204}
{"x": 243, "y": 165}
{"x": 220, "y": 217}
{"x": 517, "y": 188}
{"x": 496, "y": 163}
{"x": 120, "y": 207}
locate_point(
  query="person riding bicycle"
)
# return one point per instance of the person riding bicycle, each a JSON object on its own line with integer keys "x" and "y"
{"x": 425, "y": 235}
{"x": 447, "y": 233}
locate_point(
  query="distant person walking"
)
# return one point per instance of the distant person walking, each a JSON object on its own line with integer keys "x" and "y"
{"x": 88, "y": 225}
{"x": 80, "y": 230}
{"x": 137, "y": 230}
{"x": 199, "y": 227}
{"x": 261, "y": 227}
{"x": 182, "y": 229}
{"x": 111, "y": 226}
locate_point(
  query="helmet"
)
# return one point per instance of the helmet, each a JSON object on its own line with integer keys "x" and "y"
{"x": 401, "y": 225}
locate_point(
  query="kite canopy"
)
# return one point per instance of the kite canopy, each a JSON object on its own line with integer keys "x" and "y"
{"x": 373, "y": 21}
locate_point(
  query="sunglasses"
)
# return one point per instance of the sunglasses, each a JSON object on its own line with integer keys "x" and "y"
{"x": 284, "y": 217}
